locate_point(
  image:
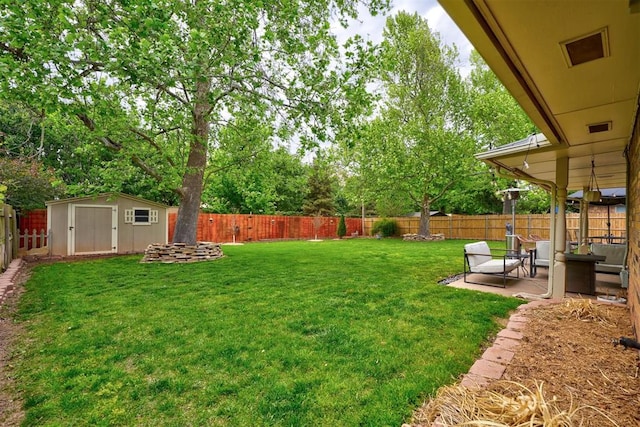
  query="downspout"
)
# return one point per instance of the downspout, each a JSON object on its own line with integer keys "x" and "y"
{"x": 552, "y": 238}
{"x": 624, "y": 273}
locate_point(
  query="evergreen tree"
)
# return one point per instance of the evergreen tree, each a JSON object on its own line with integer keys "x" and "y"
{"x": 342, "y": 227}
{"x": 319, "y": 200}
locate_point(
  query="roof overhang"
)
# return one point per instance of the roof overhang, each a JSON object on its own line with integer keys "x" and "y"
{"x": 574, "y": 67}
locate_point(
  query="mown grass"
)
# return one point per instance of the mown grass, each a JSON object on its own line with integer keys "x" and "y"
{"x": 346, "y": 333}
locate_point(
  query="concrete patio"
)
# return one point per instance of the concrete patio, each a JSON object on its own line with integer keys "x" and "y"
{"x": 606, "y": 284}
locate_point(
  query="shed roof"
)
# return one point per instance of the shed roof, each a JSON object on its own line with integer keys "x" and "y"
{"x": 109, "y": 196}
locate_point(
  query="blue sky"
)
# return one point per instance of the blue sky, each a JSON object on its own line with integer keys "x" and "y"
{"x": 371, "y": 27}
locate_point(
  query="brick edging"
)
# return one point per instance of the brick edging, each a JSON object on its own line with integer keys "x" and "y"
{"x": 494, "y": 361}
{"x": 8, "y": 277}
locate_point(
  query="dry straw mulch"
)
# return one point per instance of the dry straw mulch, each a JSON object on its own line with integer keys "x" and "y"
{"x": 565, "y": 372}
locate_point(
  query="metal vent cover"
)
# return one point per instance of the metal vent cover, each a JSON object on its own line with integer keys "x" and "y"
{"x": 599, "y": 127}
{"x": 586, "y": 48}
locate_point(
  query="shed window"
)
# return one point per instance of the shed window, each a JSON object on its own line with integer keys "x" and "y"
{"x": 140, "y": 216}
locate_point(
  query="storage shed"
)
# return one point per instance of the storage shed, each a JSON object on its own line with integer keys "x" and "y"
{"x": 106, "y": 223}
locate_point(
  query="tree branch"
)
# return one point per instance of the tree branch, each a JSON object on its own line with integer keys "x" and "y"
{"x": 17, "y": 53}
{"x": 151, "y": 142}
{"x": 219, "y": 97}
{"x": 116, "y": 146}
{"x": 162, "y": 87}
{"x": 148, "y": 169}
{"x": 90, "y": 124}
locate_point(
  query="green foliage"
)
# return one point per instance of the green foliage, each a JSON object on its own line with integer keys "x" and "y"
{"x": 534, "y": 201}
{"x": 160, "y": 84}
{"x": 415, "y": 150}
{"x": 250, "y": 339}
{"x": 319, "y": 199}
{"x": 385, "y": 227}
{"x": 28, "y": 184}
{"x": 389, "y": 203}
{"x": 342, "y": 227}
{"x": 496, "y": 117}
{"x": 476, "y": 195}
{"x": 83, "y": 164}
{"x": 255, "y": 179}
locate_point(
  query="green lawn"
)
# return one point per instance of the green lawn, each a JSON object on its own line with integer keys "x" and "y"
{"x": 334, "y": 333}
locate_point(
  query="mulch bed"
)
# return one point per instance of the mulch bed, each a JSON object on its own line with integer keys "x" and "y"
{"x": 568, "y": 349}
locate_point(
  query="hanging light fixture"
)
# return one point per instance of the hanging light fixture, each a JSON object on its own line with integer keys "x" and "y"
{"x": 593, "y": 194}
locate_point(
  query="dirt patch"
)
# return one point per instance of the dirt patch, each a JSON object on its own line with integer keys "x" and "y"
{"x": 576, "y": 358}
{"x": 11, "y": 413}
{"x": 569, "y": 349}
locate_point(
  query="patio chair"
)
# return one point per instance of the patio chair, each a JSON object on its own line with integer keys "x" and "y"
{"x": 540, "y": 257}
{"x": 526, "y": 244}
{"x": 479, "y": 259}
{"x": 572, "y": 240}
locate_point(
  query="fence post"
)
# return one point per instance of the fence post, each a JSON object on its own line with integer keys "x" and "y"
{"x": 3, "y": 243}
{"x": 486, "y": 227}
{"x": 42, "y": 237}
{"x": 8, "y": 244}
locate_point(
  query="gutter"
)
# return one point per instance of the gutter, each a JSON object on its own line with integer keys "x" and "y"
{"x": 537, "y": 142}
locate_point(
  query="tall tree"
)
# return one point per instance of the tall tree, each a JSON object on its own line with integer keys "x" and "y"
{"x": 156, "y": 81}
{"x": 417, "y": 146}
{"x": 496, "y": 117}
{"x": 320, "y": 192}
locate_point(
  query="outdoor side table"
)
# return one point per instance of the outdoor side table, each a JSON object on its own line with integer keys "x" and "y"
{"x": 581, "y": 273}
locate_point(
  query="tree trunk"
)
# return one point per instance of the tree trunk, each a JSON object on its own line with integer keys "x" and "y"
{"x": 425, "y": 216}
{"x": 191, "y": 190}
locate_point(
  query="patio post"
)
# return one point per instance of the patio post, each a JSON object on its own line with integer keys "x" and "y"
{"x": 559, "y": 244}
{"x": 584, "y": 223}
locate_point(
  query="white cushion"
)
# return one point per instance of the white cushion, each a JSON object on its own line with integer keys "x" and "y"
{"x": 542, "y": 251}
{"x": 541, "y": 262}
{"x": 480, "y": 253}
{"x": 496, "y": 266}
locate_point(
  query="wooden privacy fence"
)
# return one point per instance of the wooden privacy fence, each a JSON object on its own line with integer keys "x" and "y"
{"x": 493, "y": 227}
{"x": 251, "y": 228}
{"x": 32, "y": 220}
{"x": 32, "y": 231}
{"x": 225, "y": 228}
{"x": 8, "y": 245}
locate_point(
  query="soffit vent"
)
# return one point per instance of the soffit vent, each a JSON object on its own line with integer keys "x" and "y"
{"x": 599, "y": 127}
{"x": 586, "y": 48}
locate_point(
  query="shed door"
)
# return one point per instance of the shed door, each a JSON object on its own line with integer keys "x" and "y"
{"x": 93, "y": 229}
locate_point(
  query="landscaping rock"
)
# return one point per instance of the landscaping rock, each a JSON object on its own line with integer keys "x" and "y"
{"x": 421, "y": 237}
{"x": 180, "y": 253}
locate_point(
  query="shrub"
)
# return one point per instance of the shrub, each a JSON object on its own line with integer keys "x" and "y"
{"x": 342, "y": 227}
{"x": 385, "y": 227}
